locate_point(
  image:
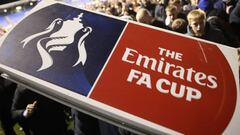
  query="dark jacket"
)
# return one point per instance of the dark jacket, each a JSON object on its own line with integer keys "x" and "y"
{"x": 7, "y": 89}
{"x": 211, "y": 34}
{"x": 234, "y": 20}
{"x": 219, "y": 19}
{"x": 85, "y": 124}
{"x": 48, "y": 118}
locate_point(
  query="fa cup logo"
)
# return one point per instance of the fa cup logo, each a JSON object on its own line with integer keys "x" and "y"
{"x": 62, "y": 36}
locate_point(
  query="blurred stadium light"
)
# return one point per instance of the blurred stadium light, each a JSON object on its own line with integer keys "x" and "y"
{"x": 12, "y": 11}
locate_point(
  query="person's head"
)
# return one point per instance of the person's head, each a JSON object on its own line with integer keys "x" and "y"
{"x": 127, "y": 8}
{"x": 144, "y": 16}
{"x": 174, "y": 2}
{"x": 171, "y": 12}
{"x": 197, "y": 22}
{"x": 206, "y": 5}
{"x": 110, "y": 11}
{"x": 179, "y": 25}
{"x": 118, "y": 7}
{"x": 177, "y": 3}
{"x": 194, "y": 2}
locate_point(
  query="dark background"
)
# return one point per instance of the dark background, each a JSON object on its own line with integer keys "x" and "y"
{"x": 7, "y": 1}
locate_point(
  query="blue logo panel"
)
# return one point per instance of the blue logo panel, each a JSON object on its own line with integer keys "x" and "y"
{"x": 62, "y": 45}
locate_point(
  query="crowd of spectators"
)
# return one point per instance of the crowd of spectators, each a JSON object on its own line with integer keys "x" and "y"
{"x": 219, "y": 16}
{"x": 214, "y": 20}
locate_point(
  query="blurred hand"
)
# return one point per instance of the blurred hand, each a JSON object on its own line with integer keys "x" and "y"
{"x": 30, "y": 109}
{"x": 2, "y": 31}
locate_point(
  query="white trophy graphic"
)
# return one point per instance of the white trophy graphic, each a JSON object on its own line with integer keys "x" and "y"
{"x": 60, "y": 40}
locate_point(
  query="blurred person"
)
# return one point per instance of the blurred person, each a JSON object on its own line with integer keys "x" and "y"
{"x": 118, "y": 6}
{"x": 219, "y": 4}
{"x": 171, "y": 14}
{"x": 230, "y": 4}
{"x": 179, "y": 25}
{"x": 38, "y": 115}
{"x": 136, "y": 7}
{"x": 177, "y": 3}
{"x": 173, "y": 11}
{"x": 198, "y": 27}
{"x": 185, "y": 2}
{"x": 110, "y": 11}
{"x": 127, "y": 12}
{"x": 149, "y": 5}
{"x": 85, "y": 124}
{"x": 99, "y": 6}
{"x": 190, "y": 6}
{"x": 160, "y": 13}
{"x": 219, "y": 19}
{"x": 144, "y": 16}
{"x": 234, "y": 20}
{"x": 226, "y": 5}
{"x": 179, "y": 6}
{"x": 7, "y": 89}
{"x": 108, "y": 129}
{"x": 126, "y": 132}
{"x": 206, "y": 5}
